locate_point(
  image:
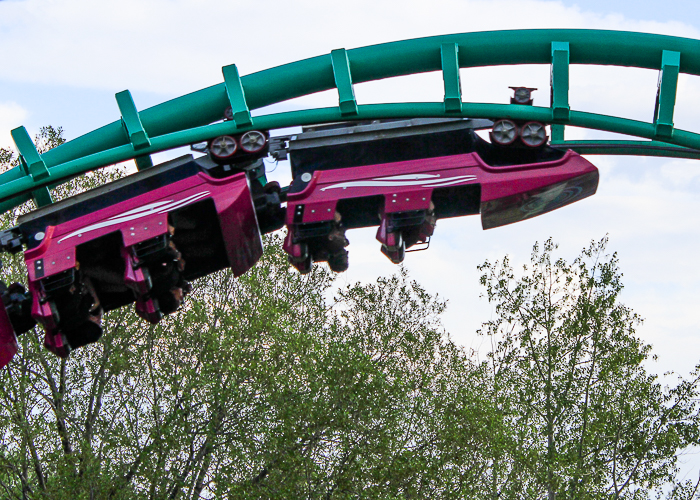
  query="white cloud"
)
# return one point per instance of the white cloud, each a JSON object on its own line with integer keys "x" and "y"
{"x": 11, "y": 116}
{"x": 174, "y": 46}
{"x": 678, "y": 173}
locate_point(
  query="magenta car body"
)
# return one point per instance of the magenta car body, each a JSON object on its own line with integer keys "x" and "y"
{"x": 112, "y": 228}
{"x": 404, "y": 197}
{"x": 505, "y": 194}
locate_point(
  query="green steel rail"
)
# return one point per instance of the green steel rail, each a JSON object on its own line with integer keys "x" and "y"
{"x": 190, "y": 118}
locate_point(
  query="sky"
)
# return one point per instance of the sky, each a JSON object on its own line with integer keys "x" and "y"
{"x": 62, "y": 63}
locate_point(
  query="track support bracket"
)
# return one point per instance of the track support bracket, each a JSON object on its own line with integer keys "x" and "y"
{"x": 29, "y": 157}
{"x": 236, "y": 96}
{"x": 343, "y": 81}
{"x": 559, "y": 75}
{"x": 132, "y": 122}
{"x": 666, "y": 93}
{"x": 449, "y": 53}
{"x": 559, "y": 81}
{"x": 32, "y": 165}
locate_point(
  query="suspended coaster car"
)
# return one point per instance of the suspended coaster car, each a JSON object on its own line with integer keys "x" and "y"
{"x": 140, "y": 239}
{"x": 143, "y": 238}
{"x": 404, "y": 175}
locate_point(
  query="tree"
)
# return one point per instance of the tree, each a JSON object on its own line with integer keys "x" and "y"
{"x": 272, "y": 385}
{"x": 586, "y": 420}
{"x": 260, "y": 387}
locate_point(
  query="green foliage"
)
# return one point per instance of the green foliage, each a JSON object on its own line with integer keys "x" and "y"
{"x": 273, "y": 385}
{"x": 585, "y": 418}
{"x": 259, "y": 389}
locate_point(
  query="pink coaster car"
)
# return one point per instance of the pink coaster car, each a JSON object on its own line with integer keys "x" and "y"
{"x": 140, "y": 239}
{"x": 405, "y": 177}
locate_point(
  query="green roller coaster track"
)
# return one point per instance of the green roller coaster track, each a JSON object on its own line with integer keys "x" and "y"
{"x": 190, "y": 119}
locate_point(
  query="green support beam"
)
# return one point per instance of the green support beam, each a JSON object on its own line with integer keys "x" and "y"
{"x": 666, "y": 95}
{"x": 33, "y": 165}
{"x": 29, "y": 157}
{"x": 343, "y": 81}
{"x": 189, "y": 119}
{"x": 236, "y": 96}
{"x": 132, "y": 123}
{"x": 311, "y": 75}
{"x": 449, "y": 53}
{"x": 560, "y": 81}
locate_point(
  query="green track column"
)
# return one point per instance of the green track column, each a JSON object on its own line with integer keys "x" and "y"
{"x": 343, "y": 80}
{"x": 449, "y": 53}
{"x": 32, "y": 164}
{"x": 134, "y": 128}
{"x": 236, "y": 96}
{"x": 559, "y": 79}
{"x": 666, "y": 95}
